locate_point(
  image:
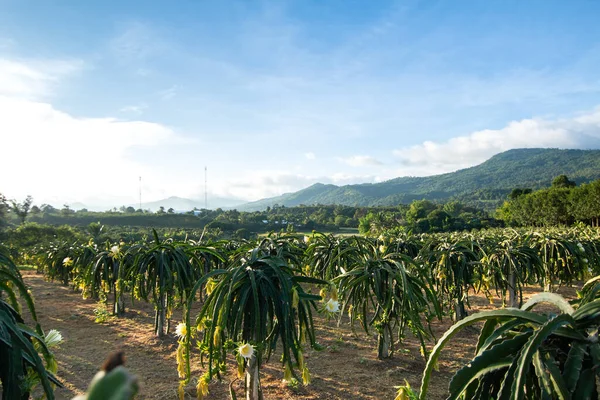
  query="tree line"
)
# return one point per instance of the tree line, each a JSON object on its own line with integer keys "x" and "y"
{"x": 425, "y": 216}
{"x": 563, "y": 203}
{"x": 420, "y": 216}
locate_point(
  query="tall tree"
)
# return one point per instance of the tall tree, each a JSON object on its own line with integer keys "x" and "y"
{"x": 552, "y": 206}
{"x": 518, "y": 192}
{"x": 47, "y": 209}
{"x": 419, "y": 209}
{"x": 66, "y": 211}
{"x": 562, "y": 181}
{"x": 22, "y": 209}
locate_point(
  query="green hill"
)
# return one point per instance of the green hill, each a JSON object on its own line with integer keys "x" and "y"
{"x": 484, "y": 185}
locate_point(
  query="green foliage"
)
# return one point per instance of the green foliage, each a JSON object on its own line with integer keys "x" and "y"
{"x": 518, "y": 192}
{"x": 95, "y": 230}
{"x": 257, "y": 299}
{"x": 562, "y": 258}
{"x": 330, "y": 218}
{"x": 328, "y": 256}
{"x": 21, "y": 210}
{"x": 31, "y": 238}
{"x": 423, "y": 216}
{"x": 57, "y": 261}
{"x": 562, "y": 181}
{"x": 115, "y": 226}
{"x": 257, "y": 292}
{"x": 104, "y": 271}
{"x": 165, "y": 272}
{"x": 454, "y": 266}
{"x": 521, "y": 354}
{"x": 381, "y": 291}
{"x": 21, "y": 348}
{"x": 101, "y": 314}
{"x": 293, "y": 384}
{"x": 405, "y": 392}
{"x": 562, "y": 204}
{"x": 509, "y": 262}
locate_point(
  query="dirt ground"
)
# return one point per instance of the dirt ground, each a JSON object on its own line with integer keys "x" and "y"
{"x": 348, "y": 368}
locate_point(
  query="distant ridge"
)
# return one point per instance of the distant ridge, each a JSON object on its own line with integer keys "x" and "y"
{"x": 181, "y": 204}
{"x": 484, "y": 185}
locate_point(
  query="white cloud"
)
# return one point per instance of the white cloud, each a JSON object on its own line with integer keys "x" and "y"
{"x": 56, "y": 154}
{"x": 428, "y": 158}
{"x": 360, "y": 161}
{"x": 340, "y": 178}
{"x": 135, "y": 109}
{"x": 310, "y": 155}
{"x": 255, "y": 185}
{"x": 258, "y": 184}
{"x": 33, "y": 78}
{"x": 52, "y": 154}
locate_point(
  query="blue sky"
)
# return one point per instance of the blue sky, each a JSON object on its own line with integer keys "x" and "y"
{"x": 273, "y": 96}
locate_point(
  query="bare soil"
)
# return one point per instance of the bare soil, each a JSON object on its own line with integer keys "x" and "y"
{"x": 348, "y": 368}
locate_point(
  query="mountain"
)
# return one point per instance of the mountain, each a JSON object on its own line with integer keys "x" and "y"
{"x": 180, "y": 204}
{"x": 484, "y": 185}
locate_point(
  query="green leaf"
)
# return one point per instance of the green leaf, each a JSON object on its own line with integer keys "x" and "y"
{"x": 486, "y": 331}
{"x": 586, "y": 386}
{"x": 526, "y": 316}
{"x": 545, "y": 383}
{"x": 552, "y": 298}
{"x": 573, "y": 365}
{"x": 497, "y": 357}
{"x": 531, "y": 348}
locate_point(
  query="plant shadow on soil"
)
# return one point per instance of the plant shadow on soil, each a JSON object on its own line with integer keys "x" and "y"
{"x": 347, "y": 368}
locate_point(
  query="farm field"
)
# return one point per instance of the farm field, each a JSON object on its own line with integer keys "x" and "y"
{"x": 347, "y": 368}
{"x": 207, "y": 315}
{"x": 265, "y": 200}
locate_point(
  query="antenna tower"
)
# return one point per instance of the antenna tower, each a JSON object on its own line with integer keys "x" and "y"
{"x": 205, "y": 188}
